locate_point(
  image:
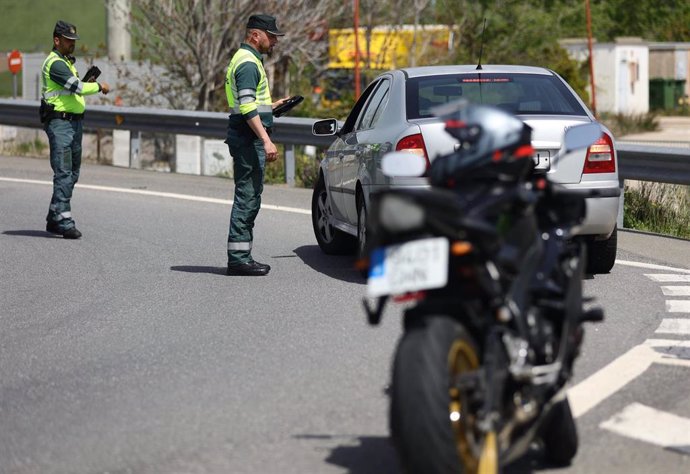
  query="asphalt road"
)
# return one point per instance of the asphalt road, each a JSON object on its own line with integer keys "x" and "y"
{"x": 130, "y": 350}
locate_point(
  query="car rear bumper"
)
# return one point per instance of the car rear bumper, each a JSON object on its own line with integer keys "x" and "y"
{"x": 602, "y": 211}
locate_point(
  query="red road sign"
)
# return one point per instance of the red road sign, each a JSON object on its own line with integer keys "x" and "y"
{"x": 14, "y": 61}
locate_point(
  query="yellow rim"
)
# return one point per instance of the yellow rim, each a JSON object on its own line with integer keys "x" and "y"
{"x": 462, "y": 358}
{"x": 488, "y": 462}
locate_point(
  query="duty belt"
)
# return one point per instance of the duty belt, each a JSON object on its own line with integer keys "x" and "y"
{"x": 65, "y": 116}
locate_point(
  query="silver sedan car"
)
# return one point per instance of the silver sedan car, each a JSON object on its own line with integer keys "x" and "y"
{"x": 394, "y": 114}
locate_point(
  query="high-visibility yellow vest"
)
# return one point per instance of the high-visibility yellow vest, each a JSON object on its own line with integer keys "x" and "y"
{"x": 263, "y": 94}
{"x": 61, "y": 98}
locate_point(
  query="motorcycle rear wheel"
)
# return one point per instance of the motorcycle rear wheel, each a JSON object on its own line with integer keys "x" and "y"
{"x": 559, "y": 434}
{"x": 432, "y": 350}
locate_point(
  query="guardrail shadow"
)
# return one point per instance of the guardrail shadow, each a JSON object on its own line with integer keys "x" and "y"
{"x": 335, "y": 266}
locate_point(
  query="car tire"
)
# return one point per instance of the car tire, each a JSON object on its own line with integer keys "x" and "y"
{"x": 331, "y": 240}
{"x": 601, "y": 254}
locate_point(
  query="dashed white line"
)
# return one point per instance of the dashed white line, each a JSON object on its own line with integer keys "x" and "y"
{"x": 607, "y": 381}
{"x": 678, "y": 306}
{"x": 667, "y": 277}
{"x": 647, "y": 424}
{"x": 674, "y": 326}
{"x": 676, "y": 290}
{"x": 652, "y": 266}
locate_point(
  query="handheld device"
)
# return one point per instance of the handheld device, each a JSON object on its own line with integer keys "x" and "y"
{"x": 91, "y": 74}
{"x": 286, "y": 106}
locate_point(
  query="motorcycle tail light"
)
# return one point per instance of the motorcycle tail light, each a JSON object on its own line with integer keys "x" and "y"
{"x": 600, "y": 156}
{"x": 413, "y": 144}
{"x": 398, "y": 214}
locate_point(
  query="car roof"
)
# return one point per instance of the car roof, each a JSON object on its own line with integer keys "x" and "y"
{"x": 472, "y": 68}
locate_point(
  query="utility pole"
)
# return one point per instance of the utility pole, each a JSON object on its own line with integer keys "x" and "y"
{"x": 357, "y": 85}
{"x": 591, "y": 58}
{"x": 119, "y": 38}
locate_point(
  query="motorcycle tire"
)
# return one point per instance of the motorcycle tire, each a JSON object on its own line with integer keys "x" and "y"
{"x": 420, "y": 422}
{"x": 559, "y": 434}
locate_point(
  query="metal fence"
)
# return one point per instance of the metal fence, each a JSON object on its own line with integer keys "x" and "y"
{"x": 639, "y": 162}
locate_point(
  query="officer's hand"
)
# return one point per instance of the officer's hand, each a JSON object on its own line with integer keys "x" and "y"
{"x": 280, "y": 101}
{"x": 105, "y": 88}
{"x": 271, "y": 151}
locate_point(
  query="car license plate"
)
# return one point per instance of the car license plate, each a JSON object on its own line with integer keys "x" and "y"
{"x": 542, "y": 160}
{"x": 412, "y": 266}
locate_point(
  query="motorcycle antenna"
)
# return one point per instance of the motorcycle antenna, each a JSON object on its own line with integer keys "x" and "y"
{"x": 481, "y": 47}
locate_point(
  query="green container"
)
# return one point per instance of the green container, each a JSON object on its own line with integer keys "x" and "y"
{"x": 665, "y": 94}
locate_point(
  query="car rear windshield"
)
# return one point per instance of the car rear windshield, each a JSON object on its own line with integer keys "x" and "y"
{"x": 528, "y": 94}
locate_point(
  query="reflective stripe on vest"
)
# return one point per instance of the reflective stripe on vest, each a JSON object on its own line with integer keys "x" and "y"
{"x": 59, "y": 96}
{"x": 242, "y": 102}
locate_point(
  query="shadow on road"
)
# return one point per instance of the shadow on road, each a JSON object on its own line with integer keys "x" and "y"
{"x": 359, "y": 454}
{"x": 334, "y": 266}
{"x": 199, "y": 269}
{"x": 376, "y": 455}
{"x": 32, "y": 233}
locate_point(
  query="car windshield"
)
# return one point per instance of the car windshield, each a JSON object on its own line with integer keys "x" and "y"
{"x": 526, "y": 94}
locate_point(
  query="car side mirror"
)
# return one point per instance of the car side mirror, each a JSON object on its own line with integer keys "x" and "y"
{"x": 403, "y": 163}
{"x": 581, "y": 136}
{"x": 325, "y": 128}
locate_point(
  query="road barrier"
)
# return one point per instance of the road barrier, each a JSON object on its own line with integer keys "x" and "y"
{"x": 640, "y": 162}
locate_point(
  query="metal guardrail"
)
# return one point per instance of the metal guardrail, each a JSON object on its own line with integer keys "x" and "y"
{"x": 662, "y": 164}
{"x": 639, "y": 162}
{"x": 287, "y": 130}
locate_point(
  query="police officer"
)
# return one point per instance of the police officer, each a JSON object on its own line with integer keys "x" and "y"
{"x": 248, "y": 138}
{"x": 62, "y": 111}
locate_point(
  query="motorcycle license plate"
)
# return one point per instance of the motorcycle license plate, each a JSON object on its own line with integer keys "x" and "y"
{"x": 412, "y": 266}
{"x": 542, "y": 160}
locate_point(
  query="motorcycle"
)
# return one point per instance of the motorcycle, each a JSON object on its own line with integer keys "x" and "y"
{"x": 492, "y": 271}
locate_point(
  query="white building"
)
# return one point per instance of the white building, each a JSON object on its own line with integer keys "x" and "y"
{"x": 621, "y": 73}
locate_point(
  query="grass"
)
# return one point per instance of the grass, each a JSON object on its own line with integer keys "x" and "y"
{"x": 28, "y": 24}
{"x": 626, "y": 124}
{"x": 658, "y": 207}
{"x": 6, "y": 84}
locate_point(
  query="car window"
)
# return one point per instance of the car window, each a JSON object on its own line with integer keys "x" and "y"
{"x": 376, "y": 105}
{"x": 349, "y": 125}
{"x": 517, "y": 93}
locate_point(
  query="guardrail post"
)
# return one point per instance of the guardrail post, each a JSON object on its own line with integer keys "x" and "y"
{"x": 290, "y": 165}
{"x": 134, "y": 150}
{"x": 621, "y": 203}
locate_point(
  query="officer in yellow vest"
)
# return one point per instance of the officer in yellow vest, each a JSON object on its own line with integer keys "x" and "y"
{"x": 249, "y": 138}
{"x": 62, "y": 111}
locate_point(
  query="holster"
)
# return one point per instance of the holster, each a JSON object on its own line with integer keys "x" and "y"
{"x": 45, "y": 111}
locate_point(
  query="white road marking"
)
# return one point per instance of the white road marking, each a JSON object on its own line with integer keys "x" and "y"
{"x": 678, "y": 306}
{"x": 667, "y": 277}
{"x": 674, "y": 326}
{"x": 185, "y": 197}
{"x": 651, "y": 266}
{"x": 676, "y": 290}
{"x": 647, "y": 424}
{"x": 607, "y": 381}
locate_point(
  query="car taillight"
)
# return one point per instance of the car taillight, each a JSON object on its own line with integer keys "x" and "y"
{"x": 600, "y": 156}
{"x": 413, "y": 144}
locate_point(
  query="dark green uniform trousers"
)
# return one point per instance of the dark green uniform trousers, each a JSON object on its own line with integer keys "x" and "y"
{"x": 249, "y": 161}
{"x": 64, "y": 137}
